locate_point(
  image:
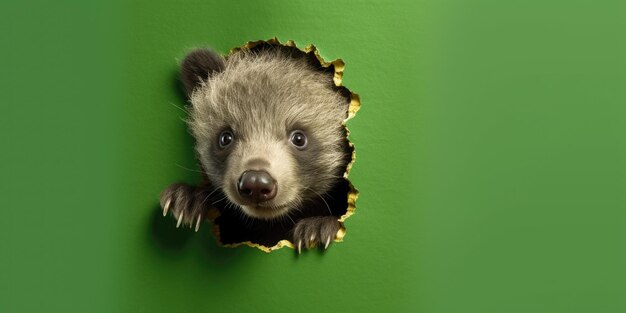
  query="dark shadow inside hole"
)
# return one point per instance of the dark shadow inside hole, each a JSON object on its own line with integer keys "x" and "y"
{"x": 234, "y": 228}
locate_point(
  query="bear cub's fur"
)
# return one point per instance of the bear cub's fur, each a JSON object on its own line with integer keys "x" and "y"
{"x": 267, "y": 123}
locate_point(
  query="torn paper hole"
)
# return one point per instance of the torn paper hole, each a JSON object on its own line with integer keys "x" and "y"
{"x": 233, "y": 223}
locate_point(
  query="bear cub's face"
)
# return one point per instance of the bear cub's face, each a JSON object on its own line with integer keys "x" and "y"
{"x": 268, "y": 128}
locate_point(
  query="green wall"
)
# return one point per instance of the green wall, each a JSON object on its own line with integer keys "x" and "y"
{"x": 491, "y": 158}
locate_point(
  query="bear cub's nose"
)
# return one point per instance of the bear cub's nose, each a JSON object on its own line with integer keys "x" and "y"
{"x": 256, "y": 186}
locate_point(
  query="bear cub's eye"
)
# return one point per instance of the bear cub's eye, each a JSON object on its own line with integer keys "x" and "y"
{"x": 225, "y": 139}
{"x": 298, "y": 139}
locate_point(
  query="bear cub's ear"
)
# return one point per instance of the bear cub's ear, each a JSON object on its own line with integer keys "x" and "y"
{"x": 198, "y": 66}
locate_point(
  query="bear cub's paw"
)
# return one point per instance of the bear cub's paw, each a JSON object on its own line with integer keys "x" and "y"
{"x": 312, "y": 231}
{"x": 185, "y": 203}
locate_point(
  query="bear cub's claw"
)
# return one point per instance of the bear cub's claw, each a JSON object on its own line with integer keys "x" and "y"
{"x": 185, "y": 203}
{"x": 312, "y": 231}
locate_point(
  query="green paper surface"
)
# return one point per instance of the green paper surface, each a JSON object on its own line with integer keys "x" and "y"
{"x": 491, "y": 159}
